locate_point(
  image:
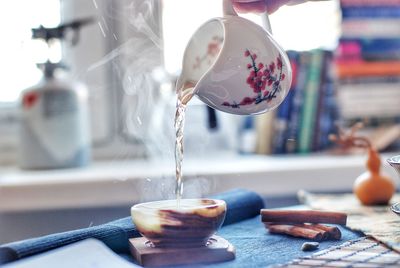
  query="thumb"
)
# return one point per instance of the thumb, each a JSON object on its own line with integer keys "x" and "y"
{"x": 258, "y": 6}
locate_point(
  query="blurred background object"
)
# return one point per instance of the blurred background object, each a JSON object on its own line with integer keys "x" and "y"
{"x": 54, "y": 124}
{"x": 129, "y": 59}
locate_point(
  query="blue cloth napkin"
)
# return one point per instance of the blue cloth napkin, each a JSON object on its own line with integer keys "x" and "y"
{"x": 241, "y": 205}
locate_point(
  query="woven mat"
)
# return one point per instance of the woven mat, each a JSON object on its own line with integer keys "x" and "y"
{"x": 363, "y": 252}
{"x": 378, "y": 222}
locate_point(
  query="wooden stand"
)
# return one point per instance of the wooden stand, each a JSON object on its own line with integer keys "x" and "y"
{"x": 217, "y": 250}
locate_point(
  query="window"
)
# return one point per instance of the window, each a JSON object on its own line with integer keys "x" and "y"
{"x": 302, "y": 27}
{"x": 18, "y": 53}
{"x": 104, "y": 57}
{"x": 294, "y": 27}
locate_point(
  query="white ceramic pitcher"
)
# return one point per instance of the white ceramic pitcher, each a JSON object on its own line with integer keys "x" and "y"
{"x": 235, "y": 66}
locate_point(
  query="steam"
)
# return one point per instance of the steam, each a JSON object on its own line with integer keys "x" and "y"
{"x": 163, "y": 188}
{"x": 147, "y": 112}
{"x": 134, "y": 62}
{"x": 143, "y": 19}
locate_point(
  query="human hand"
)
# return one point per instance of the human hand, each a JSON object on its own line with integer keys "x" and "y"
{"x": 259, "y": 6}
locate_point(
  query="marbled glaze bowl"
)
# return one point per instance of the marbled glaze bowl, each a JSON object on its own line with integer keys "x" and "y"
{"x": 190, "y": 224}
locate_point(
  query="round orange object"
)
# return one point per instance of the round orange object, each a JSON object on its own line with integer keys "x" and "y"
{"x": 371, "y": 187}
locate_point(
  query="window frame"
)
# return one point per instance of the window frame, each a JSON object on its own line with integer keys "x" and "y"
{"x": 113, "y": 17}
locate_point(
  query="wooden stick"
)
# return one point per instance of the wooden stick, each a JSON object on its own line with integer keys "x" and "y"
{"x": 302, "y": 216}
{"x": 325, "y": 233}
{"x": 296, "y": 231}
{"x": 333, "y": 231}
{"x": 328, "y": 232}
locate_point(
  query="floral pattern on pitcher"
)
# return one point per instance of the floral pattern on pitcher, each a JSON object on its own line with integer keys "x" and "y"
{"x": 263, "y": 79}
{"x": 213, "y": 49}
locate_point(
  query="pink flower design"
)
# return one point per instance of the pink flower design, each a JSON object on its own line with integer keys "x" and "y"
{"x": 213, "y": 48}
{"x": 260, "y": 77}
{"x": 272, "y": 67}
{"x": 247, "y": 101}
{"x": 279, "y": 63}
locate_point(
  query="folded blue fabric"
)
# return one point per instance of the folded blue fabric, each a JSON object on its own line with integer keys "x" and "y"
{"x": 241, "y": 205}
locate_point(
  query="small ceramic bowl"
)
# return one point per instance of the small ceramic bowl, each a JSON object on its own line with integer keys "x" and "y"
{"x": 189, "y": 225}
{"x": 395, "y": 163}
{"x": 396, "y": 208}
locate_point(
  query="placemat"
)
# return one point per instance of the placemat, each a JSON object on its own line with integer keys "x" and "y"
{"x": 378, "y": 222}
{"x": 241, "y": 204}
{"x": 256, "y": 247}
{"x": 363, "y": 252}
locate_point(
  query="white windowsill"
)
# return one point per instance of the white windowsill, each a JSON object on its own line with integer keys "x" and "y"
{"x": 123, "y": 182}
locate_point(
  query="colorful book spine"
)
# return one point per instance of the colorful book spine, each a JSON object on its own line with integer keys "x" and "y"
{"x": 368, "y": 44}
{"x": 309, "y": 109}
{"x": 362, "y": 80}
{"x": 328, "y": 115}
{"x": 297, "y": 102}
{"x": 373, "y": 68}
{"x": 264, "y": 132}
{"x": 352, "y": 50}
{"x": 282, "y": 119}
{"x": 371, "y": 28}
{"x": 369, "y": 100}
{"x": 324, "y": 79}
{"x": 369, "y": 3}
{"x": 370, "y": 12}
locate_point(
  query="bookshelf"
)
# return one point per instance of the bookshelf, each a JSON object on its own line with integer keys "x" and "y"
{"x": 357, "y": 81}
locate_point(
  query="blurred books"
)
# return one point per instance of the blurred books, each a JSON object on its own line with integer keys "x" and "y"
{"x": 302, "y": 123}
{"x": 368, "y": 65}
{"x": 359, "y": 81}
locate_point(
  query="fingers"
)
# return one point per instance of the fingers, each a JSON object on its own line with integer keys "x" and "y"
{"x": 247, "y": 6}
{"x": 260, "y": 6}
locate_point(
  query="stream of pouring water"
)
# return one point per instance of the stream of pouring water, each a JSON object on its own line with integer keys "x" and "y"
{"x": 184, "y": 96}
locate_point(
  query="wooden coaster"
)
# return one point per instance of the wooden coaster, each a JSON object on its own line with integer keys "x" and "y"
{"x": 217, "y": 250}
